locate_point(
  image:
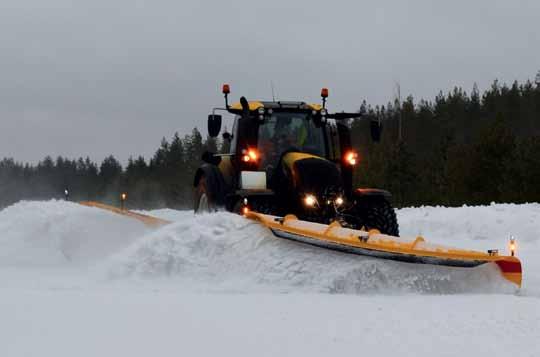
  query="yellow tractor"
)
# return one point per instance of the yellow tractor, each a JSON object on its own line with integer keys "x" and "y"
{"x": 290, "y": 157}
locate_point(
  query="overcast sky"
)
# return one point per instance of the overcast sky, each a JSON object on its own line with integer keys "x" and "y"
{"x": 103, "y": 77}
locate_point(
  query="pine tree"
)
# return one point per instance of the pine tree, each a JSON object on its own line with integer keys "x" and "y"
{"x": 110, "y": 169}
{"x": 210, "y": 145}
{"x": 159, "y": 159}
{"x": 194, "y": 149}
{"x": 491, "y": 175}
{"x": 400, "y": 175}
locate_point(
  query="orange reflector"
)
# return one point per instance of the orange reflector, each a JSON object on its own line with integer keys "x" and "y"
{"x": 226, "y": 89}
{"x": 324, "y": 92}
{"x": 245, "y": 210}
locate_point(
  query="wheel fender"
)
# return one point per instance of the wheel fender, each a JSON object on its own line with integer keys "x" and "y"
{"x": 371, "y": 192}
{"x": 215, "y": 183}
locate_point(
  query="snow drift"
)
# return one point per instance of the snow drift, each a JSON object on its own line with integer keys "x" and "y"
{"x": 225, "y": 252}
{"x": 61, "y": 233}
{"x": 229, "y": 252}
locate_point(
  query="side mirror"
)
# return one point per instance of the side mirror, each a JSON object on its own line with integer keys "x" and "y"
{"x": 214, "y": 125}
{"x": 227, "y": 136}
{"x": 376, "y": 130}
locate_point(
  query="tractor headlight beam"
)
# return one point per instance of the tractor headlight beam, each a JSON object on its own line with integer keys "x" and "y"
{"x": 310, "y": 200}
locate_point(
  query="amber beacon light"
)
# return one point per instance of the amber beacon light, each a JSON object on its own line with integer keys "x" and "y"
{"x": 324, "y": 92}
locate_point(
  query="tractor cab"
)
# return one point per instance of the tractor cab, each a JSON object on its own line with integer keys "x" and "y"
{"x": 258, "y": 141}
{"x": 264, "y": 131}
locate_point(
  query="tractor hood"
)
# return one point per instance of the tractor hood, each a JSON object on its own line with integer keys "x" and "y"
{"x": 311, "y": 173}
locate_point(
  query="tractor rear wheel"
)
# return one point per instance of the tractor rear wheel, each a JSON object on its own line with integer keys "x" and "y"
{"x": 376, "y": 213}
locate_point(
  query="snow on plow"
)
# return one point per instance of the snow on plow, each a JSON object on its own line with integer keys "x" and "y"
{"x": 367, "y": 243}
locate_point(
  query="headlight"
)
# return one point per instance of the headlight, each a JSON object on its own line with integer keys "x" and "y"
{"x": 323, "y": 112}
{"x": 261, "y": 113}
{"x": 339, "y": 201}
{"x": 310, "y": 200}
{"x": 250, "y": 155}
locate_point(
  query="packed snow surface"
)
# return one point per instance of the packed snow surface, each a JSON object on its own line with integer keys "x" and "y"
{"x": 81, "y": 281}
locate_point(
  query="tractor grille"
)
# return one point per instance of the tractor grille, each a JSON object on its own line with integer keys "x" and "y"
{"x": 316, "y": 175}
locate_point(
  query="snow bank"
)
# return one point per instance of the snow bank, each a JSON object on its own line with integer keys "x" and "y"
{"x": 60, "y": 232}
{"x": 482, "y": 227}
{"x": 228, "y": 252}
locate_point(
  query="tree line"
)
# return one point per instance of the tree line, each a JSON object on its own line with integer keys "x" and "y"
{"x": 460, "y": 148}
{"x": 163, "y": 181}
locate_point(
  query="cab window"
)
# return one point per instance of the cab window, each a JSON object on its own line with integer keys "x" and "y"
{"x": 284, "y": 132}
{"x": 232, "y": 149}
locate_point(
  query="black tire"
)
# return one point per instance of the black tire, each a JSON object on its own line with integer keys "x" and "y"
{"x": 202, "y": 203}
{"x": 376, "y": 213}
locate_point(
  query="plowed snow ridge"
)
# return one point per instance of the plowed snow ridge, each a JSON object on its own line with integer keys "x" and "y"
{"x": 226, "y": 252}
{"x": 229, "y": 252}
{"x": 62, "y": 233}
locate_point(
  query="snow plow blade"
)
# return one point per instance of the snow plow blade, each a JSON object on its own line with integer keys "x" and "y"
{"x": 147, "y": 220}
{"x": 375, "y": 244}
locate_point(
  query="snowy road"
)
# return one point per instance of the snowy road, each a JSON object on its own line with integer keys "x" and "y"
{"x": 77, "y": 281}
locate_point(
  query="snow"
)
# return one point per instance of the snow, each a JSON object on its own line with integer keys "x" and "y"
{"x": 81, "y": 281}
{"x": 168, "y": 214}
{"x": 56, "y": 232}
{"x": 159, "y": 323}
{"x": 227, "y": 252}
{"x": 482, "y": 228}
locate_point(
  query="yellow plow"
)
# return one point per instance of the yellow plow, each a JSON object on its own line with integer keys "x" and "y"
{"x": 367, "y": 243}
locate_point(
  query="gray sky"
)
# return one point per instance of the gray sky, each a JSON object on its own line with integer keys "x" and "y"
{"x": 98, "y": 77}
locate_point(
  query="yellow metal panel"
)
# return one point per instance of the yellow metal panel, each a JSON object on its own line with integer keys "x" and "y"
{"x": 252, "y": 105}
{"x": 291, "y": 157}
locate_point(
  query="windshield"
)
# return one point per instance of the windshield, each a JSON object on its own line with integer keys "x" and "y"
{"x": 288, "y": 132}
